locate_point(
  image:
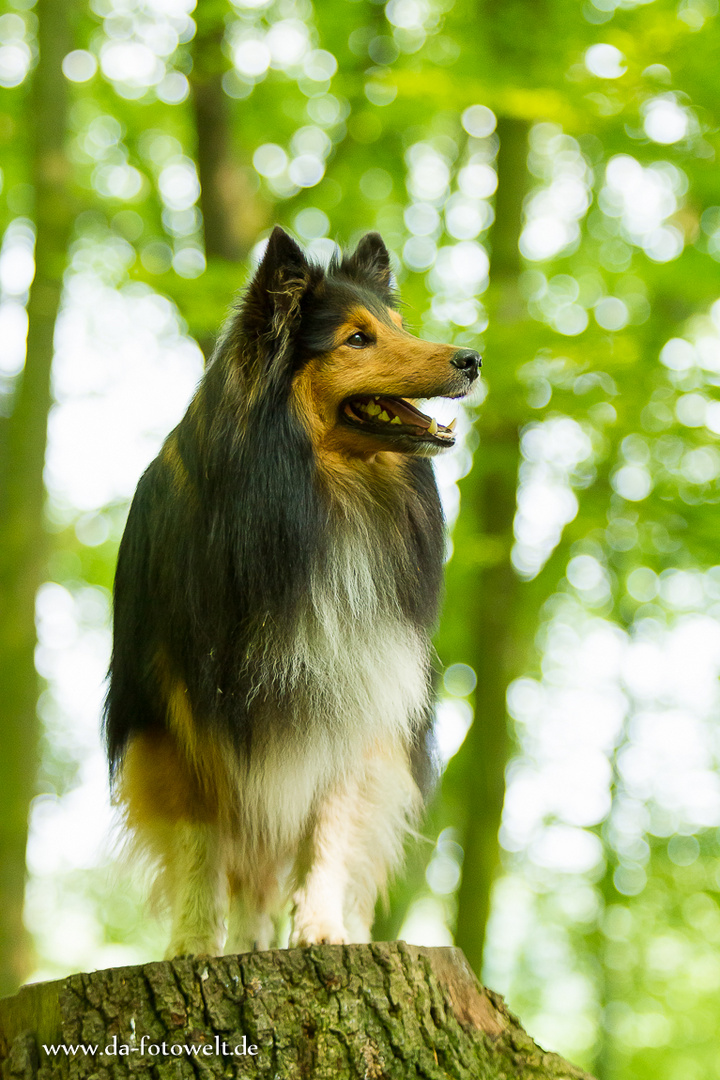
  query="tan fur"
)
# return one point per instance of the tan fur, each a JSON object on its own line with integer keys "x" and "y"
{"x": 207, "y": 761}
{"x": 158, "y": 781}
{"x": 171, "y": 457}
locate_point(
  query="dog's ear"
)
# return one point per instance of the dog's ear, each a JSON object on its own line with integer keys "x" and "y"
{"x": 370, "y": 262}
{"x": 283, "y": 259}
{"x": 271, "y": 309}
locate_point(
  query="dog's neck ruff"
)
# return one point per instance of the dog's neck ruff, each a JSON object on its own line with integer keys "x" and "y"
{"x": 347, "y": 654}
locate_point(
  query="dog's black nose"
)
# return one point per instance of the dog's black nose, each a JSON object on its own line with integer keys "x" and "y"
{"x": 467, "y": 360}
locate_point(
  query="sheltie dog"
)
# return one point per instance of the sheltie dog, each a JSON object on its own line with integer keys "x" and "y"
{"x": 269, "y": 709}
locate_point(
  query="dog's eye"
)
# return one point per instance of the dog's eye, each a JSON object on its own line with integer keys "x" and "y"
{"x": 358, "y": 340}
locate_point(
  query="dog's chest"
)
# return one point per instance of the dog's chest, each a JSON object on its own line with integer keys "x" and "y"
{"x": 347, "y": 677}
{"x": 369, "y": 675}
{"x": 351, "y": 693}
{"x": 354, "y": 657}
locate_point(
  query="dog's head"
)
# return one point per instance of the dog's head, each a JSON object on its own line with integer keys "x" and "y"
{"x": 335, "y": 342}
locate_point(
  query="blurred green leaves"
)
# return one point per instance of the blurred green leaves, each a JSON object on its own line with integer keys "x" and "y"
{"x": 586, "y": 548}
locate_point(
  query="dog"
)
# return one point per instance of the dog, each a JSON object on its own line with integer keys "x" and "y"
{"x": 268, "y": 718}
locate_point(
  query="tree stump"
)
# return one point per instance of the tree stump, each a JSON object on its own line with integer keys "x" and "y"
{"x": 387, "y": 1011}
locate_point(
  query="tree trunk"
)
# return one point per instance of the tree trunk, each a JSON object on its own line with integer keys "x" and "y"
{"x": 219, "y": 192}
{"x": 232, "y": 212}
{"x": 22, "y": 537}
{"x": 387, "y": 1011}
{"x": 482, "y": 589}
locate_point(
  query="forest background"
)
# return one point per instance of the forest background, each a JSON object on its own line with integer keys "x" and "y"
{"x": 545, "y": 174}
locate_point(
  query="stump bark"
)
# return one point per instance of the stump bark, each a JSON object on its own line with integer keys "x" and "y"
{"x": 387, "y": 1011}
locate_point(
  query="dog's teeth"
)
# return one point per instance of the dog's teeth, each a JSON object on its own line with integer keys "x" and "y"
{"x": 433, "y": 429}
{"x": 396, "y": 420}
{"x": 373, "y": 408}
{"x": 383, "y": 416}
{"x": 451, "y": 425}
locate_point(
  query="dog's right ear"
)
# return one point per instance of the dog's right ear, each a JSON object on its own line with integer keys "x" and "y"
{"x": 271, "y": 309}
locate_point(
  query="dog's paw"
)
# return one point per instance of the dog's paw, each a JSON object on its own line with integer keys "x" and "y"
{"x": 318, "y": 932}
{"x": 197, "y": 949}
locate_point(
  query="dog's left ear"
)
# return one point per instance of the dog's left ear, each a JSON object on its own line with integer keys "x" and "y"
{"x": 271, "y": 309}
{"x": 370, "y": 262}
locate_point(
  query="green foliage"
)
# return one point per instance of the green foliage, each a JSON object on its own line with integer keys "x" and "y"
{"x": 618, "y": 429}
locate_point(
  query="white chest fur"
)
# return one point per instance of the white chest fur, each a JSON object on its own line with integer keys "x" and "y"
{"x": 351, "y": 673}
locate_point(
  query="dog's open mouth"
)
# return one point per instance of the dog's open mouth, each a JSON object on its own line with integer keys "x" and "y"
{"x": 396, "y": 417}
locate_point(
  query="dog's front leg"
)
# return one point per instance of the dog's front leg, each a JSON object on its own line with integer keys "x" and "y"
{"x": 198, "y": 890}
{"x": 318, "y": 914}
{"x": 255, "y": 901}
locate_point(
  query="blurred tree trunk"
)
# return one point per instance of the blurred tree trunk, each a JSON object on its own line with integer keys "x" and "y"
{"x": 218, "y": 200}
{"x": 482, "y": 590}
{"x": 23, "y": 545}
{"x": 232, "y": 214}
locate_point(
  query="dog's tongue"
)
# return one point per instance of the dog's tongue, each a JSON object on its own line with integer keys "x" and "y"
{"x": 405, "y": 411}
{"x": 396, "y": 411}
